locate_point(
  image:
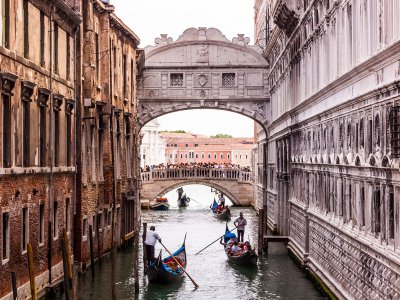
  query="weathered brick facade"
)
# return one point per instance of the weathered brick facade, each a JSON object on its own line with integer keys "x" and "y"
{"x": 109, "y": 106}
{"x": 37, "y": 128}
{"x": 53, "y": 74}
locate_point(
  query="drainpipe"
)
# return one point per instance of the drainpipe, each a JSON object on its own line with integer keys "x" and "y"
{"x": 75, "y": 138}
{"x": 50, "y": 235}
{"x": 113, "y": 248}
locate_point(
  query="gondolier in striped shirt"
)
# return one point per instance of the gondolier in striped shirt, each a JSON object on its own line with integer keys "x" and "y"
{"x": 151, "y": 239}
{"x": 240, "y": 223}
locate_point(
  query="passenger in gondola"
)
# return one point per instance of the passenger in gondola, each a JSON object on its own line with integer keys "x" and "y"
{"x": 151, "y": 239}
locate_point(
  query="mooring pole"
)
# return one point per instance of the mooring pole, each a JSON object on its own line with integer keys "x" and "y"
{"x": 31, "y": 267}
{"x": 144, "y": 249}
{"x": 14, "y": 285}
{"x": 136, "y": 259}
{"x": 91, "y": 249}
{"x": 65, "y": 270}
{"x": 260, "y": 231}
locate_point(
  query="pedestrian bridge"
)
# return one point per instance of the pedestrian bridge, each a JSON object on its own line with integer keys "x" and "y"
{"x": 236, "y": 184}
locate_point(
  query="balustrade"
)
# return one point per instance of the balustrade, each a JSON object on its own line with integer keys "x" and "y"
{"x": 204, "y": 173}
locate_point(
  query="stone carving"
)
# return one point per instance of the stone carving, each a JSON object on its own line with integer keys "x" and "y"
{"x": 202, "y": 94}
{"x": 163, "y": 40}
{"x": 202, "y": 80}
{"x": 202, "y": 54}
{"x": 241, "y": 40}
{"x": 258, "y": 108}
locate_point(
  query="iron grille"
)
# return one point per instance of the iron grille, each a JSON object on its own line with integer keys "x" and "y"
{"x": 395, "y": 130}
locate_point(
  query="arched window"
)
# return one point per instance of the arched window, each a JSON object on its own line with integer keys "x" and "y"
{"x": 341, "y": 135}
{"x": 362, "y": 132}
{"x": 349, "y": 135}
{"x": 377, "y": 131}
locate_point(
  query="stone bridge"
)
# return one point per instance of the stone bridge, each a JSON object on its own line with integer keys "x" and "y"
{"x": 236, "y": 184}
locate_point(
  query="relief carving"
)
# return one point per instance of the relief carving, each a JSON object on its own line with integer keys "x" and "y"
{"x": 202, "y": 54}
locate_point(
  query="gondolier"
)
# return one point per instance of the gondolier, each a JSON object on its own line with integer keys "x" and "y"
{"x": 151, "y": 239}
{"x": 240, "y": 224}
{"x": 180, "y": 192}
{"x": 222, "y": 200}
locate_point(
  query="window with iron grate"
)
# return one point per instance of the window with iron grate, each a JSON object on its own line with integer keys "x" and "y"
{"x": 176, "y": 79}
{"x": 394, "y": 117}
{"x": 228, "y": 79}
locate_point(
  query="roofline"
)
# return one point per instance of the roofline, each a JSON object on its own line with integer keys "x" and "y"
{"x": 117, "y": 22}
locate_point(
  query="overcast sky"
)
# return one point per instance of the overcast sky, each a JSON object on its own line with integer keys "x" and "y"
{"x": 149, "y": 18}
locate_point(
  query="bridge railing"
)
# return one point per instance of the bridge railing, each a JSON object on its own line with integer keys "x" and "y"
{"x": 203, "y": 173}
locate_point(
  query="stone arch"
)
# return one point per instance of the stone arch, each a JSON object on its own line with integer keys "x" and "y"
{"x": 208, "y": 183}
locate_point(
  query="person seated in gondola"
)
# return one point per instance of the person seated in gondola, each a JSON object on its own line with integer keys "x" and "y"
{"x": 219, "y": 208}
{"x": 235, "y": 250}
{"x": 247, "y": 246}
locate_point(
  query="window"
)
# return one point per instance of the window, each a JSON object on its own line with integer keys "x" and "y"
{"x": 187, "y": 145}
{"x": 209, "y": 156}
{"x": 93, "y": 225}
{"x": 97, "y": 58}
{"x": 215, "y": 156}
{"x": 42, "y": 31}
{"x": 100, "y": 144}
{"x": 26, "y": 129}
{"x": 197, "y": 156}
{"x": 84, "y": 229}
{"x": 222, "y": 156}
{"x": 202, "y": 155}
{"x": 186, "y": 155}
{"x": 68, "y": 137}
{"x": 229, "y": 157}
{"x": 25, "y": 228}
{"x": 109, "y": 218}
{"x": 6, "y": 131}
{"x": 394, "y": 120}
{"x": 181, "y": 155}
{"x": 391, "y": 215}
{"x": 362, "y": 206}
{"x": 99, "y": 221}
{"x": 228, "y": 79}
{"x": 67, "y": 214}
{"x": 55, "y": 219}
{"x": 176, "y": 79}
{"x": 68, "y": 57}
{"x": 246, "y": 156}
{"x": 55, "y": 46}
{"x": 41, "y": 223}
{"x": 124, "y": 74}
{"x": 128, "y": 146}
{"x": 56, "y": 137}
{"x": 93, "y": 152}
{"x": 132, "y": 81}
{"x": 196, "y": 145}
{"x": 6, "y": 23}
{"x": 5, "y": 236}
{"x": 115, "y": 67}
{"x": 42, "y": 134}
{"x": 118, "y": 146}
{"x": 26, "y": 29}
{"x": 377, "y": 210}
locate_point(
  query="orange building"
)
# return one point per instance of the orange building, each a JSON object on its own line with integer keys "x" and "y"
{"x": 196, "y": 148}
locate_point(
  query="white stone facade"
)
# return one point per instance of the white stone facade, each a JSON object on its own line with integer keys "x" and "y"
{"x": 333, "y": 180}
{"x": 152, "y": 149}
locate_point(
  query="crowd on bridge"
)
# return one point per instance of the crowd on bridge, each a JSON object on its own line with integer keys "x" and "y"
{"x": 195, "y": 165}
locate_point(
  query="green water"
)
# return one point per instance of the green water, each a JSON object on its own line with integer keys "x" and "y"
{"x": 275, "y": 277}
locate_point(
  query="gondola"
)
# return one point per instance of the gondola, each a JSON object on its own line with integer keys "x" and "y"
{"x": 247, "y": 257}
{"x": 160, "y": 204}
{"x": 183, "y": 201}
{"x": 225, "y": 214}
{"x": 161, "y": 272}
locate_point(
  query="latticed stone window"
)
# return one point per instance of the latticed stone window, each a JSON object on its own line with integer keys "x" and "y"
{"x": 395, "y": 131}
{"x": 176, "y": 79}
{"x": 362, "y": 133}
{"x": 228, "y": 79}
{"x": 377, "y": 131}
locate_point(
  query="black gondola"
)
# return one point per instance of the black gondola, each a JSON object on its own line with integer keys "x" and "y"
{"x": 224, "y": 214}
{"x": 246, "y": 257}
{"x": 166, "y": 270}
{"x": 183, "y": 201}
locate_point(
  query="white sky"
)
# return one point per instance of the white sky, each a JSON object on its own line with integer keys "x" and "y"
{"x": 149, "y": 18}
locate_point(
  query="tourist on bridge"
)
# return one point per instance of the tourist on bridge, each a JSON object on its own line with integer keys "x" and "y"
{"x": 240, "y": 223}
{"x": 151, "y": 239}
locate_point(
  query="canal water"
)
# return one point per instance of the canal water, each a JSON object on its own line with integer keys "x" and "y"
{"x": 275, "y": 277}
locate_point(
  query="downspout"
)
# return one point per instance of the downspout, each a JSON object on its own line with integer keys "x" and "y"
{"x": 50, "y": 235}
{"x": 113, "y": 248}
{"x": 75, "y": 138}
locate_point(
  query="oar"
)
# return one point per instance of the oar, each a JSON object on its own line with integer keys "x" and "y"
{"x": 191, "y": 279}
{"x": 215, "y": 240}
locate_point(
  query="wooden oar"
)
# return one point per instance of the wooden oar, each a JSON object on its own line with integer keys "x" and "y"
{"x": 215, "y": 241}
{"x": 174, "y": 258}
